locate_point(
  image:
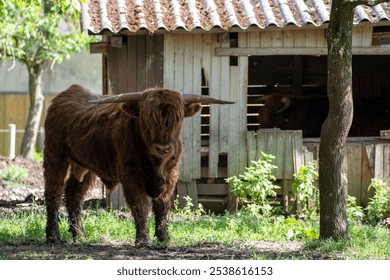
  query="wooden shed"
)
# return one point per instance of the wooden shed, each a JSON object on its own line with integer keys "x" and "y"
{"x": 240, "y": 50}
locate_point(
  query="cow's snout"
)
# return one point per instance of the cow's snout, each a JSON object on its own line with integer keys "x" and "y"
{"x": 160, "y": 150}
{"x": 163, "y": 149}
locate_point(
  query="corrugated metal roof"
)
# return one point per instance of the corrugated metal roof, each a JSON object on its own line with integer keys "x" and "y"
{"x": 171, "y": 15}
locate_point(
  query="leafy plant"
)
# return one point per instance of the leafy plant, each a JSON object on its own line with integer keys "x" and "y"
{"x": 379, "y": 206}
{"x": 14, "y": 174}
{"x": 354, "y": 212}
{"x": 304, "y": 191}
{"x": 188, "y": 209}
{"x": 38, "y": 156}
{"x": 255, "y": 186}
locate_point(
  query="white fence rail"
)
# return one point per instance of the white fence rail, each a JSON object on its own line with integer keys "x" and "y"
{"x": 12, "y": 139}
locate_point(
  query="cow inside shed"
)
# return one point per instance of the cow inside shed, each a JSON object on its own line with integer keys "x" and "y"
{"x": 290, "y": 93}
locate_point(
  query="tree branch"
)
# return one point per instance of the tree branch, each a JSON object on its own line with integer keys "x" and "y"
{"x": 370, "y": 3}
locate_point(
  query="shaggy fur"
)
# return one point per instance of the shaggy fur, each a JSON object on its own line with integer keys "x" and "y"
{"x": 136, "y": 144}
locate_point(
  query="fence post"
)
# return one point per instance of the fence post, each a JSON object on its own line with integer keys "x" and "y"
{"x": 12, "y": 140}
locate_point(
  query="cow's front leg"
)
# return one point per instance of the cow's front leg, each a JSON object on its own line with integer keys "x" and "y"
{"x": 140, "y": 214}
{"x": 161, "y": 209}
{"x": 139, "y": 204}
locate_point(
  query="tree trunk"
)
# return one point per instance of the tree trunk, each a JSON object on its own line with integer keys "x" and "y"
{"x": 333, "y": 194}
{"x": 35, "y": 112}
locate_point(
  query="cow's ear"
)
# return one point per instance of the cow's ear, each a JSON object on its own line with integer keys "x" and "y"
{"x": 130, "y": 108}
{"x": 191, "y": 109}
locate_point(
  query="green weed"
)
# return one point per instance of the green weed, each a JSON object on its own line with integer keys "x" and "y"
{"x": 14, "y": 175}
{"x": 378, "y": 207}
{"x": 255, "y": 188}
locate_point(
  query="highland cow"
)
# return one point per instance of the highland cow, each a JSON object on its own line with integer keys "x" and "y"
{"x": 132, "y": 139}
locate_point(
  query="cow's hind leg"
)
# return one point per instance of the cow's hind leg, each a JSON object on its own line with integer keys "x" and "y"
{"x": 77, "y": 185}
{"x": 161, "y": 209}
{"x": 140, "y": 205}
{"x": 54, "y": 174}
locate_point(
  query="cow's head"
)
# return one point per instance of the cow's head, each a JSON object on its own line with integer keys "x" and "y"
{"x": 161, "y": 113}
{"x": 271, "y": 113}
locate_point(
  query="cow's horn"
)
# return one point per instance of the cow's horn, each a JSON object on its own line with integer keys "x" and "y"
{"x": 124, "y": 97}
{"x": 196, "y": 98}
{"x": 287, "y": 102}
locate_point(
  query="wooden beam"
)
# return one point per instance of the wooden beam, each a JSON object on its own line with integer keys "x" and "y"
{"x": 98, "y": 47}
{"x": 294, "y": 51}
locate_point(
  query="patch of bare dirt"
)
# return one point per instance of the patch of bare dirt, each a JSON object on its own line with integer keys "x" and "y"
{"x": 31, "y": 189}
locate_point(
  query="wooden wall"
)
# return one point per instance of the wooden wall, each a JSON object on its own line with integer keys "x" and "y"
{"x": 14, "y": 109}
{"x": 134, "y": 64}
{"x": 223, "y": 61}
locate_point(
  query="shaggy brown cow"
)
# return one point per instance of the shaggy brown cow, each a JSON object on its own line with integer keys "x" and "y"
{"x": 307, "y": 113}
{"x": 132, "y": 139}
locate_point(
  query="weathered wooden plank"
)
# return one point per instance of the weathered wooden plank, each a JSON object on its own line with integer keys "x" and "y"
{"x": 186, "y": 47}
{"x": 354, "y": 171}
{"x": 314, "y": 38}
{"x": 370, "y": 151}
{"x": 169, "y": 61}
{"x": 150, "y": 61}
{"x": 159, "y": 61}
{"x": 223, "y": 125}
{"x": 288, "y": 39}
{"x": 131, "y": 64}
{"x": 254, "y": 39}
{"x": 243, "y": 65}
{"x": 281, "y": 146}
{"x": 214, "y": 91}
{"x": 212, "y": 189}
{"x": 266, "y": 39}
{"x": 182, "y": 192}
{"x": 233, "y": 155}
{"x": 298, "y": 154}
{"x": 366, "y": 177}
{"x": 141, "y": 63}
{"x": 367, "y": 35}
{"x": 196, "y": 120}
{"x": 181, "y": 82}
{"x": 193, "y": 192}
{"x": 288, "y": 168}
{"x": 300, "y": 38}
{"x": 307, "y": 155}
{"x": 277, "y": 39}
{"x": 251, "y": 144}
{"x": 293, "y": 51}
{"x": 357, "y": 37}
{"x": 378, "y": 173}
{"x": 386, "y": 163}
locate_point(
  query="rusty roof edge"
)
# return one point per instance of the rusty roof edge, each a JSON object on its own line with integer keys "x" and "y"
{"x": 291, "y": 13}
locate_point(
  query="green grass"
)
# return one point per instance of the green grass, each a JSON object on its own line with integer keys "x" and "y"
{"x": 232, "y": 230}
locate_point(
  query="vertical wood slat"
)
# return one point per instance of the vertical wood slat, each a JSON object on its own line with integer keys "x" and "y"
{"x": 169, "y": 61}
{"x": 243, "y": 64}
{"x": 132, "y": 70}
{"x": 251, "y": 145}
{"x": 223, "y": 125}
{"x": 233, "y": 139}
{"x": 196, "y": 120}
{"x": 141, "y": 63}
{"x": 354, "y": 163}
{"x": 185, "y": 47}
{"x": 214, "y": 91}
{"x": 365, "y": 177}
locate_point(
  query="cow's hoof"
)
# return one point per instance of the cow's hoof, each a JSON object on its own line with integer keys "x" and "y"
{"x": 54, "y": 240}
{"x": 143, "y": 243}
{"x": 163, "y": 236}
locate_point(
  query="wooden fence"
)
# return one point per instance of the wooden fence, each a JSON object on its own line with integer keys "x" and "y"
{"x": 14, "y": 109}
{"x": 365, "y": 158}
